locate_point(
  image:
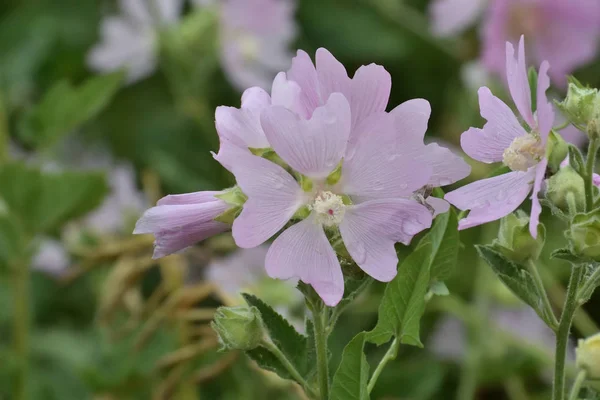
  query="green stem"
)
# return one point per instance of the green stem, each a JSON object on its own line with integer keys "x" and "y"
{"x": 577, "y": 385}
{"x": 290, "y": 368}
{"x": 4, "y": 133}
{"x": 515, "y": 389}
{"x": 21, "y": 327}
{"x": 562, "y": 336}
{"x": 387, "y": 357}
{"x": 589, "y": 172}
{"x": 540, "y": 286}
{"x": 321, "y": 348}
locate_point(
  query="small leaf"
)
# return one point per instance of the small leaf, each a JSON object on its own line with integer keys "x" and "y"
{"x": 567, "y": 255}
{"x": 576, "y": 160}
{"x": 532, "y": 76}
{"x": 517, "y": 279}
{"x": 64, "y": 108}
{"x": 266, "y": 360}
{"x": 291, "y": 343}
{"x": 403, "y": 301}
{"x": 351, "y": 378}
{"x": 445, "y": 242}
{"x": 590, "y": 282}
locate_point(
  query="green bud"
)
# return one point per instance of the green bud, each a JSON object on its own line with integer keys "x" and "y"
{"x": 514, "y": 240}
{"x": 238, "y": 328}
{"x": 588, "y": 356}
{"x": 556, "y": 150}
{"x": 584, "y": 235}
{"x": 581, "y": 104}
{"x": 566, "y": 190}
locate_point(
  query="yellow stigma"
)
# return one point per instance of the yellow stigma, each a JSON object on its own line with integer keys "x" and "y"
{"x": 524, "y": 152}
{"x": 329, "y": 208}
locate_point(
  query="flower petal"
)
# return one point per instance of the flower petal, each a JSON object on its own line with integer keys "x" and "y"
{"x": 488, "y": 144}
{"x": 189, "y": 198}
{"x": 302, "y": 251}
{"x": 229, "y": 153}
{"x": 332, "y": 76}
{"x": 312, "y": 147}
{"x": 371, "y": 86}
{"x": 450, "y": 17}
{"x": 439, "y": 206}
{"x": 545, "y": 111}
{"x": 536, "y": 207}
{"x": 370, "y": 229}
{"x": 273, "y": 198}
{"x": 288, "y": 94}
{"x": 492, "y": 198}
{"x": 380, "y": 165}
{"x": 242, "y": 126}
{"x": 518, "y": 83}
{"x": 447, "y": 167}
{"x": 303, "y": 72}
{"x": 176, "y": 227}
{"x": 411, "y": 119}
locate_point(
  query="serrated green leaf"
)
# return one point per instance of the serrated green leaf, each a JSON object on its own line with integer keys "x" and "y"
{"x": 403, "y": 301}
{"x": 591, "y": 282}
{"x": 64, "y": 108}
{"x": 291, "y": 343}
{"x": 43, "y": 201}
{"x": 351, "y": 378}
{"x": 517, "y": 279}
{"x": 445, "y": 242}
{"x": 567, "y": 255}
{"x": 266, "y": 360}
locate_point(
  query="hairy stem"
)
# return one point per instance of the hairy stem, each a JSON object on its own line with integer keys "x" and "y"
{"x": 289, "y": 368}
{"x": 387, "y": 357}
{"x": 21, "y": 319}
{"x": 577, "y": 385}
{"x": 589, "y": 172}
{"x": 319, "y": 314}
{"x": 562, "y": 336}
{"x": 540, "y": 286}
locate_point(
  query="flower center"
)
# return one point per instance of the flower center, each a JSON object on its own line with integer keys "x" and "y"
{"x": 329, "y": 208}
{"x": 524, "y": 152}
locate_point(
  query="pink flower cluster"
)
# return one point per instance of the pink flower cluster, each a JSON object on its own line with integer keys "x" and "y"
{"x": 346, "y": 171}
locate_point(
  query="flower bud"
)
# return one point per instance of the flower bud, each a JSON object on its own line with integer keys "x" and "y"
{"x": 238, "y": 328}
{"x": 584, "y": 235}
{"x": 514, "y": 240}
{"x": 566, "y": 190}
{"x": 557, "y": 150}
{"x": 588, "y": 356}
{"x": 581, "y": 104}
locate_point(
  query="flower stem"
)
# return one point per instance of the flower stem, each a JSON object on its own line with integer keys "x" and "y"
{"x": 540, "y": 286}
{"x": 290, "y": 368}
{"x": 4, "y": 133}
{"x": 577, "y": 385}
{"x": 21, "y": 327}
{"x": 387, "y": 357}
{"x": 562, "y": 336}
{"x": 319, "y": 314}
{"x": 589, "y": 172}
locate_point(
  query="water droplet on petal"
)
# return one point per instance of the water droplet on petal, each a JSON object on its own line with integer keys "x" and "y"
{"x": 403, "y": 186}
{"x": 445, "y": 181}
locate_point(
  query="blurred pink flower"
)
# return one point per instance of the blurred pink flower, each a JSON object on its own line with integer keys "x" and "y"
{"x": 450, "y": 17}
{"x": 179, "y": 221}
{"x": 503, "y": 138}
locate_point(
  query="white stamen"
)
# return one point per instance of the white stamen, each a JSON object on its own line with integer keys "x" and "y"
{"x": 524, "y": 152}
{"x": 329, "y": 208}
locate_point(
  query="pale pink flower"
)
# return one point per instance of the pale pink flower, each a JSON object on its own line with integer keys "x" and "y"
{"x": 565, "y": 33}
{"x": 377, "y": 175}
{"x": 450, "y": 17}
{"x": 130, "y": 39}
{"x": 179, "y": 221}
{"x": 255, "y": 39}
{"x": 503, "y": 138}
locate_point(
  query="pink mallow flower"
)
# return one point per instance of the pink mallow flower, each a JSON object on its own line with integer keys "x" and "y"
{"x": 371, "y": 204}
{"x": 179, "y": 221}
{"x": 503, "y": 138}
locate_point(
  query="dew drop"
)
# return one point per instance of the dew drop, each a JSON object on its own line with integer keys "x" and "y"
{"x": 403, "y": 186}
{"x": 445, "y": 181}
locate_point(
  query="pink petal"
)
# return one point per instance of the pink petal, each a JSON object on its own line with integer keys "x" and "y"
{"x": 518, "y": 83}
{"x": 242, "y": 126}
{"x": 370, "y": 229}
{"x": 332, "y": 76}
{"x": 450, "y": 17}
{"x": 536, "y": 208}
{"x": 176, "y": 227}
{"x": 545, "y": 111}
{"x": 370, "y": 86}
{"x": 273, "y": 198}
{"x": 411, "y": 119}
{"x": 596, "y": 180}
{"x": 488, "y": 144}
{"x": 380, "y": 165}
{"x": 303, "y": 72}
{"x": 312, "y": 147}
{"x": 288, "y": 94}
{"x": 229, "y": 153}
{"x": 447, "y": 167}
{"x": 189, "y": 198}
{"x": 439, "y": 206}
{"x": 492, "y": 198}
{"x": 303, "y": 251}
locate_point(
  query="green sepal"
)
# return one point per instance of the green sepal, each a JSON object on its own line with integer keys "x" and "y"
{"x": 335, "y": 175}
{"x": 302, "y": 213}
{"x": 233, "y": 196}
{"x": 229, "y": 215}
{"x": 305, "y": 183}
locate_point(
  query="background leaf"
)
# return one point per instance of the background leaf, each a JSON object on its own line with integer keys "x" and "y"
{"x": 351, "y": 378}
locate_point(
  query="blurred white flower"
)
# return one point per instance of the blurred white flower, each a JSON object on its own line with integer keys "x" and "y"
{"x": 51, "y": 257}
{"x": 474, "y": 75}
{"x": 129, "y": 40}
